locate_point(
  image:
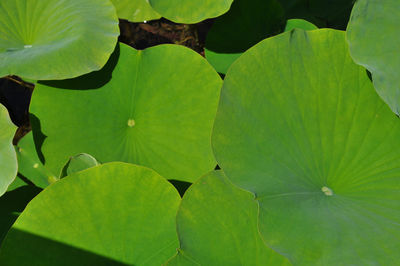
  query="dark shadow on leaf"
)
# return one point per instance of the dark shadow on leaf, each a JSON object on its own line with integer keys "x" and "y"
{"x": 25, "y": 249}
{"x": 11, "y": 204}
{"x": 91, "y": 81}
{"x": 369, "y": 74}
{"x": 181, "y": 186}
{"x": 38, "y": 136}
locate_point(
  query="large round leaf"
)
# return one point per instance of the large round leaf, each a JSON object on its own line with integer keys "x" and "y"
{"x": 157, "y": 110}
{"x": 135, "y": 10}
{"x": 189, "y": 11}
{"x": 217, "y": 225}
{"x": 52, "y": 39}
{"x": 114, "y": 214}
{"x": 374, "y": 38}
{"x": 301, "y": 127}
{"x": 8, "y": 158}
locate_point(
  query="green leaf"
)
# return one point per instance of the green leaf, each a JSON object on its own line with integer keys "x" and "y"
{"x": 189, "y": 11}
{"x": 373, "y": 37}
{"x": 246, "y": 23}
{"x": 78, "y": 163}
{"x": 121, "y": 212}
{"x": 17, "y": 183}
{"x": 135, "y": 10}
{"x": 52, "y": 39}
{"x": 13, "y": 202}
{"x": 217, "y": 225}
{"x": 307, "y": 134}
{"x": 8, "y": 158}
{"x": 29, "y": 164}
{"x": 157, "y": 110}
{"x": 299, "y": 24}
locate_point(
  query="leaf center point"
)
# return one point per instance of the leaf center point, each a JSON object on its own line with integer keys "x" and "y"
{"x": 131, "y": 123}
{"x": 327, "y": 191}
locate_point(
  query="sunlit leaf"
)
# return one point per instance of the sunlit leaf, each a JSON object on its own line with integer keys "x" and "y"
{"x": 301, "y": 127}
{"x": 52, "y": 39}
{"x": 114, "y": 212}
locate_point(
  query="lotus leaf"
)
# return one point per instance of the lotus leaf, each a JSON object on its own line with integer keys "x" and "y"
{"x": 373, "y": 37}
{"x": 217, "y": 225}
{"x": 78, "y": 163}
{"x": 157, "y": 110}
{"x": 119, "y": 212}
{"x": 8, "y": 158}
{"x": 302, "y": 128}
{"x": 30, "y": 165}
{"x": 52, "y": 39}
{"x": 189, "y": 11}
{"x": 13, "y": 202}
{"x": 135, "y": 10}
{"x": 299, "y": 24}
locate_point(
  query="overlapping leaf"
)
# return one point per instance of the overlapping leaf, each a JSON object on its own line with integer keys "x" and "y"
{"x": 78, "y": 163}
{"x": 135, "y": 10}
{"x": 373, "y": 36}
{"x": 217, "y": 225}
{"x": 189, "y": 11}
{"x": 307, "y": 134}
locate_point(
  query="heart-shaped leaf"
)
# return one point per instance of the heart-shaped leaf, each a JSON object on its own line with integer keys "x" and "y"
{"x": 157, "y": 110}
{"x": 52, "y": 39}
{"x": 300, "y": 126}
{"x": 113, "y": 214}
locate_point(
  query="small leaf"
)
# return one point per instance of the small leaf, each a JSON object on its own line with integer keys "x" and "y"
{"x": 78, "y": 163}
{"x": 299, "y": 24}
